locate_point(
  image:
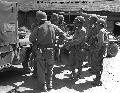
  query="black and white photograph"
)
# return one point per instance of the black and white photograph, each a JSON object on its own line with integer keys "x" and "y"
{"x": 59, "y": 46}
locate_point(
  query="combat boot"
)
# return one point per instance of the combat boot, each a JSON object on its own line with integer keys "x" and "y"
{"x": 42, "y": 88}
{"x": 48, "y": 87}
{"x": 96, "y": 83}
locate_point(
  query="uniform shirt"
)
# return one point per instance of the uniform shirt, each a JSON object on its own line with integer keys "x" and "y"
{"x": 45, "y": 34}
{"x": 102, "y": 37}
{"x": 92, "y": 31}
{"x": 98, "y": 40}
{"x": 63, "y": 27}
{"x": 91, "y": 34}
{"x": 33, "y": 26}
{"x": 79, "y": 36}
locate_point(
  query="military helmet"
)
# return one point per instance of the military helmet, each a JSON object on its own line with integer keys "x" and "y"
{"x": 41, "y": 15}
{"x": 102, "y": 21}
{"x": 79, "y": 19}
{"x": 54, "y": 16}
{"x": 61, "y": 17}
{"x": 93, "y": 17}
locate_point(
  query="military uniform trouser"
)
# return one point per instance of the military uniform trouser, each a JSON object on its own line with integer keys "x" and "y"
{"x": 35, "y": 67}
{"x": 56, "y": 54}
{"x": 97, "y": 63}
{"x": 76, "y": 58}
{"x": 44, "y": 61}
{"x": 26, "y": 57}
{"x": 89, "y": 58}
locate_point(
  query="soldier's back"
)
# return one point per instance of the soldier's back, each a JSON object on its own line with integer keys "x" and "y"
{"x": 47, "y": 32}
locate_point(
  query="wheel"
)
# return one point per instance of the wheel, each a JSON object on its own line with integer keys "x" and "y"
{"x": 112, "y": 50}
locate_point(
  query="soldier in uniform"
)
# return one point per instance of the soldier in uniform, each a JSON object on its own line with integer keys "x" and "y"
{"x": 63, "y": 54}
{"x": 26, "y": 55}
{"x": 32, "y": 48}
{"x": 61, "y": 23}
{"x": 91, "y": 31}
{"x": 91, "y": 25}
{"x": 76, "y": 56}
{"x": 54, "y": 19}
{"x": 97, "y": 58}
{"x": 43, "y": 37}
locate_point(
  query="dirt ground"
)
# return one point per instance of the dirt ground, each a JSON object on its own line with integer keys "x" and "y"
{"x": 17, "y": 79}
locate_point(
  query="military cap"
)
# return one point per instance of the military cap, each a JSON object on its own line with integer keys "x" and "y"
{"x": 79, "y": 19}
{"x": 41, "y": 15}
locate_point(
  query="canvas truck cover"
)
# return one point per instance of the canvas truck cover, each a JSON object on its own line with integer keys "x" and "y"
{"x": 8, "y": 23}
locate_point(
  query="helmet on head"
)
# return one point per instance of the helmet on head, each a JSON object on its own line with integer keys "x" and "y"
{"x": 41, "y": 15}
{"x": 61, "y": 17}
{"x": 102, "y": 22}
{"x": 54, "y": 16}
{"x": 84, "y": 14}
{"x": 93, "y": 17}
{"x": 79, "y": 19}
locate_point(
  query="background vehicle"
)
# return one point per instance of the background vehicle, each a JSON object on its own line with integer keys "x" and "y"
{"x": 113, "y": 46}
{"x": 22, "y": 32}
{"x": 8, "y": 34}
{"x": 18, "y": 13}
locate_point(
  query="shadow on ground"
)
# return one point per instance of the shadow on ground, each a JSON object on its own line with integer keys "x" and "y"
{"x": 23, "y": 82}
{"x": 70, "y": 83}
{"x": 18, "y": 79}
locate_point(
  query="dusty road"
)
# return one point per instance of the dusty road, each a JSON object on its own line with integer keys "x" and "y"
{"x": 24, "y": 83}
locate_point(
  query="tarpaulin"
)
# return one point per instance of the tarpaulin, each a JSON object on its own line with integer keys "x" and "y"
{"x": 8, "y": 22}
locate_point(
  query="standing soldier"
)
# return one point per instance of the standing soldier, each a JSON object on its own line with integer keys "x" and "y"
{"x": 61, "y": 23}
{"x": 91, "y": 31}
{"x": 27, "y": 55}
{"x": 33, "y": 55}
{"x": 43, "y": 37}
{"x": 97, "y": 58}
{"x": 91, "y": 25}
{"x": 77, "y": 43}
{"x": 86, "y": 17}
{"x": 54, "y": 19}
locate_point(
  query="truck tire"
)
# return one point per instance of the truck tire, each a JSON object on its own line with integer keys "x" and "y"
{"x": 112, "y": 50}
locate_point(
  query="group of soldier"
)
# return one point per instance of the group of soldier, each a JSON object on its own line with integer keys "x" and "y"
{"x": 88, "y": 42}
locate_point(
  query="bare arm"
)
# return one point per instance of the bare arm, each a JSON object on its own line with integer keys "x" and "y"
{"x": 33, "y": 36}
{"x": 60, "y": 34}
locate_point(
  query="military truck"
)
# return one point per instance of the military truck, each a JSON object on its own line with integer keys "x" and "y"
{"x": 18, "y": 13}
{"x": 8, "y": 34}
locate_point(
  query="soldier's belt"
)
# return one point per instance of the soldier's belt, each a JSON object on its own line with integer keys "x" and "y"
{"x": 45, "y": 53}
{"x": 45, "y": 49}
{"x": 45, "y": 46}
